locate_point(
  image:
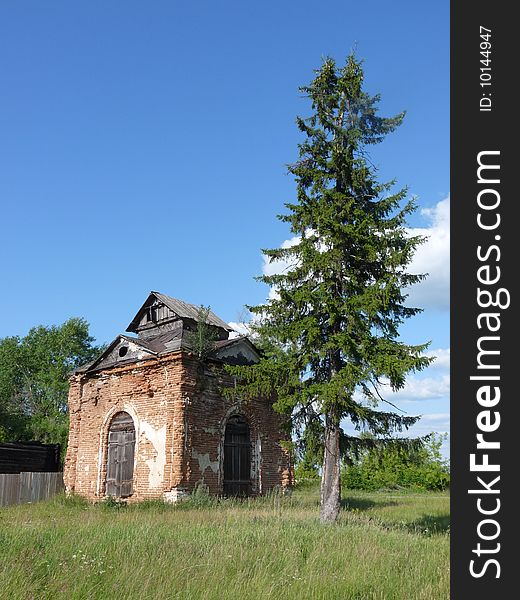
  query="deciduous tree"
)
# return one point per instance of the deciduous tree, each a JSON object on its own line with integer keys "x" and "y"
{"x": 34, "y": 372}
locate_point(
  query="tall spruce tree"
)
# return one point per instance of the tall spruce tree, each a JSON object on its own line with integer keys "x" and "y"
{"x": 330, "y": 333}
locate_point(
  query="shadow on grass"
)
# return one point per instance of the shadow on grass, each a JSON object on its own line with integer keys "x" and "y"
{"x": 430, "y": 525}
{"x": 364, "y": 503}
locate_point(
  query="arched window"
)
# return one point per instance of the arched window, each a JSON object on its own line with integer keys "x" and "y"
{"x": 237, "y": 457}
{"x": 120, "y": 456}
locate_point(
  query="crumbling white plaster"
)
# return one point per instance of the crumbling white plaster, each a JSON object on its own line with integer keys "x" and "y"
{"x": 205, "y": 462}
{"x": 156, "y": 464}
{"x": 258, "y": 463}
{"x": 137, "y": 351}
{"x": 175, "y": 495}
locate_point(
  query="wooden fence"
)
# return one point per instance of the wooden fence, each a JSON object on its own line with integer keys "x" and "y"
{"x": 17, "y": 457}
{"x": 20, "y": 488}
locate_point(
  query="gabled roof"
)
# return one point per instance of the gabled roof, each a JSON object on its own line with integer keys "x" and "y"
{"x": 182, "y": 309}
{"x": 239, "y": 350}
{"x": 239, "y": 339}
{"x": 91, "y": 366}
{"x": 171, "y": 334}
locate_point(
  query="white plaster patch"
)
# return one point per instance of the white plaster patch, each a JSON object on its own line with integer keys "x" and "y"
{"x": 205, "y": 462}
{"x": 257, "y": 464}
{"x": 137, "y": 351}
{"x": 175, "y": 495}
{"x": 157, "y": 437}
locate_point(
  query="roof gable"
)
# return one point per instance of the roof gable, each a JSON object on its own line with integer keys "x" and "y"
{"x": 122, "y": 350}
{"x": 159, "y": 308}
{"x": 237, "y": 351}
{"x": 125, "y": 350}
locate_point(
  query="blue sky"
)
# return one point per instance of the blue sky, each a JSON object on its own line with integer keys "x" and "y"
{"x": 144, "y": 147}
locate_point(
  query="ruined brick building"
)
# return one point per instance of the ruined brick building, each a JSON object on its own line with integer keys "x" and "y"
{"x": 148, "y": 419}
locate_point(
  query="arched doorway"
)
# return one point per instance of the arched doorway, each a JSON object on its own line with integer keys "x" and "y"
{"x": 237, "y": 457}
{"x": 120, "y": 456}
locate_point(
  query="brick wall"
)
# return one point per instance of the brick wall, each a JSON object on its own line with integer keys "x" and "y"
{"x": 179, "y": 417}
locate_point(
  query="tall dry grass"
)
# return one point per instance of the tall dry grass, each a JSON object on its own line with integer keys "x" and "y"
{"x": 385, "y": 547}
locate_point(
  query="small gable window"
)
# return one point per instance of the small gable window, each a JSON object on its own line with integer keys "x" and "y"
{"x": 157, "y": 312}
{"x": 153, "y": 313}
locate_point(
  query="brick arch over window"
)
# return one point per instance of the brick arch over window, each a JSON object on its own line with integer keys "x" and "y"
{"x": 120, "y": 456}
{"x": 237, "y": 456}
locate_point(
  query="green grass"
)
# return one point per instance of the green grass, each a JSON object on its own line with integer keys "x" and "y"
{"x": 385, "y": 546}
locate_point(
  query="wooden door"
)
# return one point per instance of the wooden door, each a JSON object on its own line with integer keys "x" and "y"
{"x": 120, "y": 456}
{"x": 237, "y": 458}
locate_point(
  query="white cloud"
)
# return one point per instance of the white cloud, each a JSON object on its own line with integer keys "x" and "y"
{"x": 433, "y": 422}
{"x": 433, "y": 257}
{"x": 239, "y": 329}
{"x": 279, "y": 266}
{"x": 420, "y": 388}
{"x": 442, "y": 358}
{"x": 436, "y": 422}
{"x": 437, "y": 418}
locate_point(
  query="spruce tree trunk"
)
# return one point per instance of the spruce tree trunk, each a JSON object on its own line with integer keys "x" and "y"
{"x": 330, "y": 480}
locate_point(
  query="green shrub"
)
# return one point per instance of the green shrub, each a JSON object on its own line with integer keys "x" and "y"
{"x": 151, "y": 505}
{"x": 304, "y": 470}
{"x": 393, "y": 467}
{"x": 113, "y": 503}
{"x": 63, "y": 500}
{"x": 199, "y": 498}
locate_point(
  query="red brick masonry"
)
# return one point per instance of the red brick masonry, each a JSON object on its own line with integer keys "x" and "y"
{"x": 180, "y": 417}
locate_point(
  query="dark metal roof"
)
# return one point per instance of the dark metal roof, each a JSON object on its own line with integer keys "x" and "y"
{"x": 182, "y": 309}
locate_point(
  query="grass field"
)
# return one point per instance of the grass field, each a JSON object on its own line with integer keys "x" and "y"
{"x": 386, "y": 546}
